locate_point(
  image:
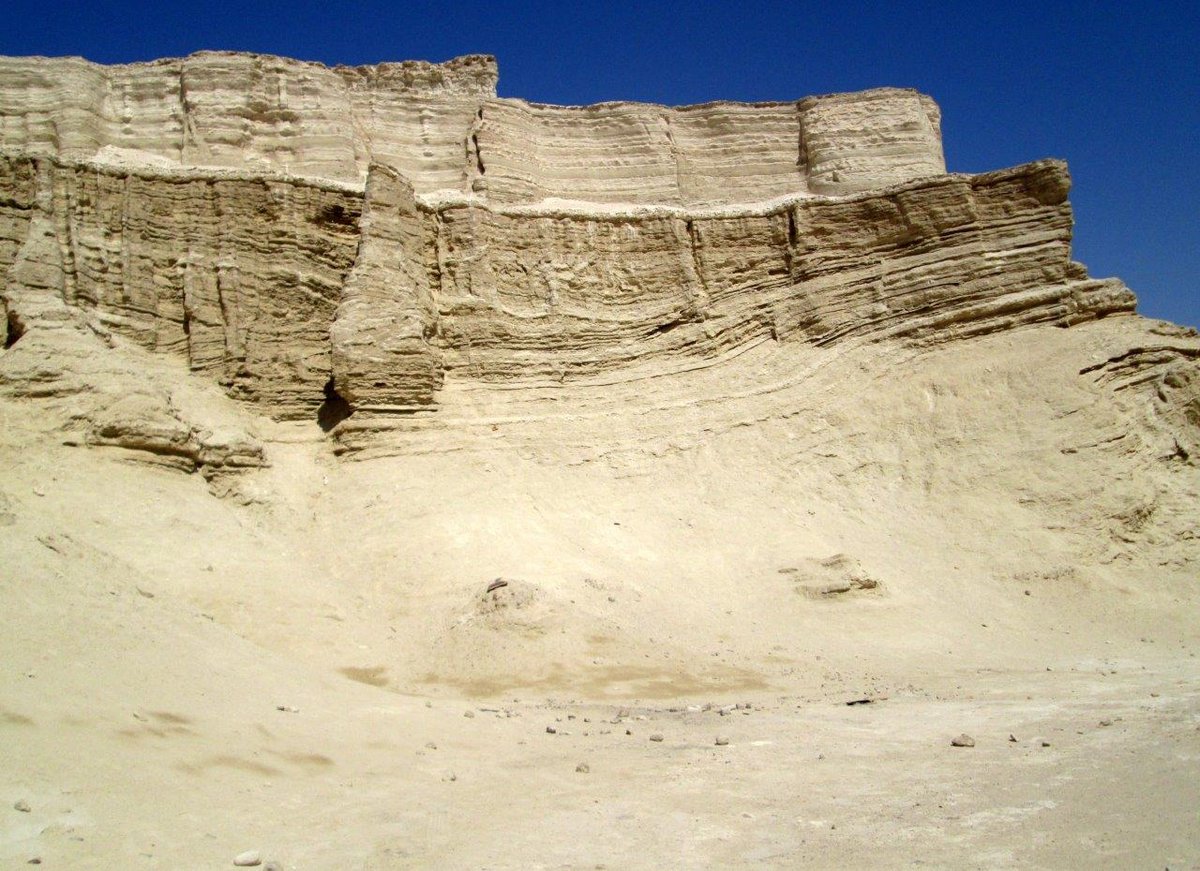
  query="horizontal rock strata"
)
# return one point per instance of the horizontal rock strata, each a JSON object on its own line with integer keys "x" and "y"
{"x": 240, "y": 273}
{"x": 413, "y": 293}
{"x": 243, "y": 110}
{"x": 442, "y": 127}
{"x": 361, "y": 236}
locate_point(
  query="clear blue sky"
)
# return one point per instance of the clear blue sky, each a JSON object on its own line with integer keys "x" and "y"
{"x": 1113, "y": 88}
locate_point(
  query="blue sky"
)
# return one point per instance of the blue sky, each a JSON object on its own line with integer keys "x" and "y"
{"x": 1112, "y": 88}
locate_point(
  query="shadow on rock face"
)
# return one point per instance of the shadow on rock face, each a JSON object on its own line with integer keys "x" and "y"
{"x": 334, "y": 409}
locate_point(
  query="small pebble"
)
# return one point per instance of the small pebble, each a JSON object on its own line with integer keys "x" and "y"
{"x": 22, "y": 806}
{"x": 722, "y": 741}
{"x": 468, "y": 714}
{"x": 656, "y": 737}
{"x": 962, "y": 741}
{"x": 550, "y": 730}
{"x": 429, "y": 745}
{"x": 582, "y": 768}
{"x": 249, "y": 859}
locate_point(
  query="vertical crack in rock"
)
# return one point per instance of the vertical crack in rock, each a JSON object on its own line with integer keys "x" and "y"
{"x": 698, "y": 293}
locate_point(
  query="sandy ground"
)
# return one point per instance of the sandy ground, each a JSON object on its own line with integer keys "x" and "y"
{"x": 314, "y": 668}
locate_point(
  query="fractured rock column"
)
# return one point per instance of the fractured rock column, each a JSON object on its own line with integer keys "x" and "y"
{"x": 382, "y": 358}
{"x": 871, "y": 139}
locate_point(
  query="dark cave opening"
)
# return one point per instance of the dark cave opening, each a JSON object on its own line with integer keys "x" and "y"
{"x": 334, "y": 409}
{"x": 14, "y": 329}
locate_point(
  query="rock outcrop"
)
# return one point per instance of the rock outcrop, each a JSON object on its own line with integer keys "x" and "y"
{"x": 368, "y": 234}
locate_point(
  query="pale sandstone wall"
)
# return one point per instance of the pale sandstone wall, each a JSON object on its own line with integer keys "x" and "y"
{"x": 871, "y": 139}
{"x": 382, "y": 357}
{"x": 443, "y": 128}
{"x": 240, "y": 274}
{"x": 564, "y": 294}
{"x": 640, "y": 153}
{"x": 455, "y": 234}
{"x": 243, "y": 110}
{"x": 273, "y": 284}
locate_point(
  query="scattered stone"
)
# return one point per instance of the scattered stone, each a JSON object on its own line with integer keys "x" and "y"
{"x": 287, "y": 709}
{"x": 497, "y": 584}
{"x": 963, "y": 740}
{"x": 470, "y": 715}
{"x": 550, "y": 730}
{"x": 22, "y": 806}
{"x": 1045, "y": 743}
{"x": 36, "y": 860}
{"x": 1012, "y": 738}
{"x": 1106, "y": 722}
{"x": 656, "y": 737}
{"x": 248, "y": 859}
{"x": 582, "y": 768}
{"x": 722, "y": 741}
{"x": 429, "y": 745}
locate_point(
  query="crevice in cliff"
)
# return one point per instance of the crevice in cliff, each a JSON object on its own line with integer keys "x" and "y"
{"x": 14, "y": 329}
{"x": 336, "y": 214}
{"x": 334, "y": 409}
{"x": 789, "y": 251}
{"x": 699, "y": 300}
{"x": 478, "y": 154}
{"x": 666, "y": 119}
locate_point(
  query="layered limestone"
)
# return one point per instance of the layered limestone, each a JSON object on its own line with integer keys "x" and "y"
{"x": 227, "y": 109}
{"x": 382, "y": 357}
{"x": 856, "y": 142}
{"x": 365, "y": 236}
{"x": 622, "y": 153}
{"x": 240, "y": 273}
{"x": 442, "y": 127}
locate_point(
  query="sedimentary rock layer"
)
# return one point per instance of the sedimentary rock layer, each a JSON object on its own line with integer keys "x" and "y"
{"x": 271, "y": 284}
{"x": 442, "y": 127}
{"x": 382, "y": 357}
{"x": 242, "y": 274}
{"x": 250, "y": 111}
{"x": 640, "y": 153}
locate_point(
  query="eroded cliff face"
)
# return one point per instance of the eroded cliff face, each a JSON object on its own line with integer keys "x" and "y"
{"x": 227, "y": 109}
{"x": 444, "y": 129}
{"x": 302, "y": 235}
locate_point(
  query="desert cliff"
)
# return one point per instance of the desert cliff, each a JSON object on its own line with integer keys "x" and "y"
{"x": 400, "y": 475}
